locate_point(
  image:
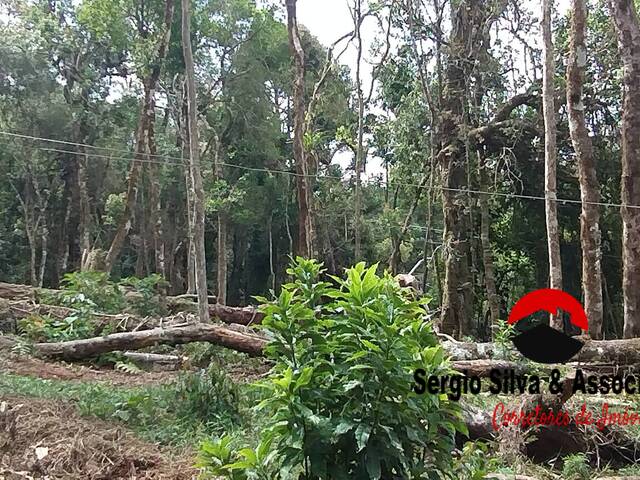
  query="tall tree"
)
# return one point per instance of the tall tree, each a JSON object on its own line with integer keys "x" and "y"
{"x": 146, "y": 121}
{"x": 457, "y": 296}
{"x": 627, "y": 28}
{"x": 589, "y": 188}
{"x": 360, "y": 157}
{"x": 305, "y": 220}
{"x": 194, "y": 166}
{"x": 550, "y": 158}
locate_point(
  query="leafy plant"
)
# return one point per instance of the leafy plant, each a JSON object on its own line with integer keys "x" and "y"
{"x": 127, "y": 367}
{"x": 339, "y": 398}
{"x": 90, "y": 291}
{"x": 576, "y": 467}
{"x": 42, "y": 328}
{"x": 474, "y": 462}
{"x": 502, "y": 338}
{"x": 148, "y": 301}
{"x": 209, "y": 396}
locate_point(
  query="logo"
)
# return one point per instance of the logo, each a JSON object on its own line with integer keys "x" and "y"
{"x": 542, "y": 343}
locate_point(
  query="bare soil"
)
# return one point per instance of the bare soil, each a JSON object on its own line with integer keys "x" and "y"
{"x": 35, "y": 367}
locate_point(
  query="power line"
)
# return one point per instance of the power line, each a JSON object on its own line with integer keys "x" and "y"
{"x": 186, "y": 162}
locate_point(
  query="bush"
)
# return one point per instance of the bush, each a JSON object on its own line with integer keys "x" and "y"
{"x": 149, "y": 301}
{"x": 90, "y": 291}
{"x": 576, "y": 467}
{"x": 43, "y": 328}
{"x": 339, "y": 401}
{"x": 209, "y": 396}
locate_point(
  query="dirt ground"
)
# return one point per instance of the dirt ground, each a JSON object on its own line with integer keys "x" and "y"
{"x": 48, "y": 440}
{"x": 35, "y": 367}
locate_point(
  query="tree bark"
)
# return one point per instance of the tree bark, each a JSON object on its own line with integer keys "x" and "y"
{"x": 194, "y": 165}
{"x": 458, "y": 292}
{"x": 589, "y": 187}
{"x": 222, "y": 265}
{"x": 493, "y": 299}
{"x": 305, "y": 221}
{"x": 224, "y": 336}
{"x": 628, "y": 32}
{"x": 145, "y": 122}
{"x": 155, "y": 205}
{"x": 550, "y": 159}
{"x": 360, "y": 135}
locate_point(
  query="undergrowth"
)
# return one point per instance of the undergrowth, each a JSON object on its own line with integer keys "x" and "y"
{"x": 197, "y": 406}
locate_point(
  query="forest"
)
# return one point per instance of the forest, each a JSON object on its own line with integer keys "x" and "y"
{"x": 228, "y": 246}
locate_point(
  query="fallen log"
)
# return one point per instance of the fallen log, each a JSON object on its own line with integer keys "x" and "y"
{"x": 623, "y": 352}
{"x": 156, "y": 361}
{"x": 216, "y": 334}
{"x": 12, "y": 311}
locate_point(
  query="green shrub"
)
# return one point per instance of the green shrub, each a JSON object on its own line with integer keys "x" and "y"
{"x": 338, "y": 401}
{"x": 209, "y": 396}
{"x": 43, "y": 328}
{"x": 576, "y": 467}
{"x": 90, "y": 291}
{"x": 148, "y": 301}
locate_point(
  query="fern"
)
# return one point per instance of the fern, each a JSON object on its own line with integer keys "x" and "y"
{"x": 127, "y": 367}
{"x": 22, "y": 347}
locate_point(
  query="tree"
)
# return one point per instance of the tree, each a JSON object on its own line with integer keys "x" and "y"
{"x": 144, "y": 132}
{"x": 627, "y": 27}
{"x": 550, "y": 158}
{"x": 194, "y": 167}
{"x": 305, "y": 208}
{"x": 590, "y": 192}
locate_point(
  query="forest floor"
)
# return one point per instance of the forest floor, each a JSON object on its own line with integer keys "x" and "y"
{"x": 85, "y": 421}
{"x": 70, "y": 421}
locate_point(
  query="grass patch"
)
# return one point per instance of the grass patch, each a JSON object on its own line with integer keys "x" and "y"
{"x": 197, "y": 406}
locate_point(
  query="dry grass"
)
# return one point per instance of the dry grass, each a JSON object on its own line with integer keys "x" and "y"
{"x": 45, "y": 439}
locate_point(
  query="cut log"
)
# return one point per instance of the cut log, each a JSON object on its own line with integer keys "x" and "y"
{"x": 624, "y": 352}
{"x": 156, "y": 361}
{"x": 482, "y": 368}
{"x": 216, "y": 334}
{"x": 12, "y": 311}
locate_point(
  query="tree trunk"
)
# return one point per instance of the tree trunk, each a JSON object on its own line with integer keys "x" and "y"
{"x": 44, "y": 242}
{"x": 628, "y": 32}
{"x": 458, "y": 292}
{"x": 589, "y": 188}
{"x": 84, "y": 226}
{"x": 145, "y": 122}
{"x": 224, "y": 336}
{"x": 493, "y": 299}
{"x": 550, "y": 159}
{"x": 221, "y": 262}
{"x": 155, "y": 205}
{"x": 194, "y": 165}
{"x": 85, "y": 213}
{"x": 360, "y": 146}
{"x": 305, "y": 222}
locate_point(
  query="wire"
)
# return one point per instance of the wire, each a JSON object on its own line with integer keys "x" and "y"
{"x": 186, "y": 162}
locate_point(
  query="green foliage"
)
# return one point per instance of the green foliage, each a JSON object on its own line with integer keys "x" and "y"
{"x": 149, "y": 301}
{"x": 474, "y": 462}
{"x": 157, "y": 413}
{"x": 502, "y": 338}
{"x": 127, "y": 367}
{"x": 339, "y": 398}
{"x": 576, "y": 467}
{"x": 22, "y": 347}
{"x": 209, "y": 396}
{"x": 90, "y": 291}
{"x": 44, "y": 328}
